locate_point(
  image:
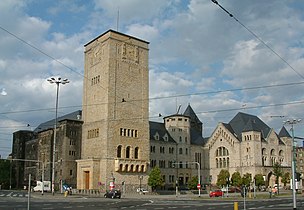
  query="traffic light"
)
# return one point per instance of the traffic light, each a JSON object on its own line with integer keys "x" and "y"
{"x": 298, "y": 176}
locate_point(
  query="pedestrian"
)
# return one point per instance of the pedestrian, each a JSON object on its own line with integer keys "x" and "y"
{"x": 270, "y": 191}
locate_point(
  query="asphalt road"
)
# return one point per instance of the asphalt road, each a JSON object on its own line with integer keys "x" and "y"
{"x": 18, "y": 200}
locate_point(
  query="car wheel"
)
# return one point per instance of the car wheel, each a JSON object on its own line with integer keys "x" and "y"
{"x": 113, "y": 196}
{"x": 105, "y": 196}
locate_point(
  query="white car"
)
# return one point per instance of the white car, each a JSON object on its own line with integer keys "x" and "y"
{"x": 142, "y": 190}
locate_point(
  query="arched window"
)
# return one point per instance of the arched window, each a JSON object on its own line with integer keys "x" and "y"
{"x": 180, "y": 151}
{"x": 119, "y": 151}
{"x": 128, "y": 152}
{"x": 272, "y": 152}
{"x": 136, "y": 152}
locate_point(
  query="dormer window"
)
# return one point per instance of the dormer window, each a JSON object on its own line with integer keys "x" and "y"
{"x": 166, "y": 137}
{"x": 156, "y": 136}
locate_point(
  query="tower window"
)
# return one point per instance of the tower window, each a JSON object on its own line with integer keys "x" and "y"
{"x": 136, "y": 153}
{"x": 128, "y": 152}
{"x": 119, "y": 151}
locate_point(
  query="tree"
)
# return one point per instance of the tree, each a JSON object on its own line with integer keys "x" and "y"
{"x": 259, "y": 180}
{"x": 236, "y": 179}
{"x": 223, "y": 177}
{"x": 286, "y": 178}
{"x": 277, "y": 172}
{"x": 4, "y": 173}
{"x": 246, "y": 179}
{"x": 155, "y": 178}
{"x": 192, "y": 184}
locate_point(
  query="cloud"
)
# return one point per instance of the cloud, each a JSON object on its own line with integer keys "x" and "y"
{"x": 3, "y": 92}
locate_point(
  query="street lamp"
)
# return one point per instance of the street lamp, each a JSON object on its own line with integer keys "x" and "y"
{"x": 293, "y": 161}
{"x": 56, "y": 81}
{"x": 140, "y": 177}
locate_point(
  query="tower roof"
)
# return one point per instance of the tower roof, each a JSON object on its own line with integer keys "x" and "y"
{"x": 190, "y": 113}
{"x": 112, "y": 31}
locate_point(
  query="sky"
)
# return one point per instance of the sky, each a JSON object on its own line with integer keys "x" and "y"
{"x": 251, "y": 62}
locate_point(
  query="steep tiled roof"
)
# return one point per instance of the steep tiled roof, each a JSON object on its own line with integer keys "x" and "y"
{"x": 50, "y": 124}
{"x": 284, "y": 133}
{"x": 245, "y": 122}
{"x": 196, "y": 138}
{"x": 156, "y": 127}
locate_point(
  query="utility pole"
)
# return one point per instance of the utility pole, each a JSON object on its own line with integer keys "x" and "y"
{"x": 56, "y": 81}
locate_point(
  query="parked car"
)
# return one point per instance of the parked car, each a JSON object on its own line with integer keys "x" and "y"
{"x": 112, "y": 194}
{"x": 234, "y": 189}
{"x": 142, "y": 190}
{"x": 216, "y": 193}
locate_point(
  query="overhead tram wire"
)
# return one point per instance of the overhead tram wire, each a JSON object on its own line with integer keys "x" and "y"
{"x": 54, "y": 59}
{"x": 221, "y": 110}
{"x": 257, "y": 37}
{"x": 40, "y": 51}
{"x": 155, "y": 98}
{"x": 164, "y": 97}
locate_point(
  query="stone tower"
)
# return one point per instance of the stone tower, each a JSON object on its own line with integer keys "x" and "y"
{"x": 115, "y": 140}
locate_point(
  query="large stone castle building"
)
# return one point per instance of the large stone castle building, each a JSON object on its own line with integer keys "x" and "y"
{"x": 112, "y": 140}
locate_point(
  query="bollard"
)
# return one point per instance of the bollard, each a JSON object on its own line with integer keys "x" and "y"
{"x": 236, "y": 206}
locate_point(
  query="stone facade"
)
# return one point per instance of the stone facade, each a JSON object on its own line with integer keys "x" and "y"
{"x": 68, "y": 148}
{"x": 33, "y": 151}
{"x": 248, "y": 145}
{"x": 176, "y": 147}
{"x": 115, "y": 140}
{"x": 19, "y": 152}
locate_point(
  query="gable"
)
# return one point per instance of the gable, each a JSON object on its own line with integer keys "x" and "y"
{"x": 221, "y": 133}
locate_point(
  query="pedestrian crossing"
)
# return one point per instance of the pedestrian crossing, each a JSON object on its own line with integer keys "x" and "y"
{"x": 13, "y": 194}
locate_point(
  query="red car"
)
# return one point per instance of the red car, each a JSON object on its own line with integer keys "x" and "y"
{"x": 216, "y": 193}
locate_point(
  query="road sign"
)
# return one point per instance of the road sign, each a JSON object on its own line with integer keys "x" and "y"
{"x": 198, "y": 186}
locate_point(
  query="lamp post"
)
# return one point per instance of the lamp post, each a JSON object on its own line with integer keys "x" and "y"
{"x": 140, "y": 177}
{"x": 293, "y": 161}
{"x": 56, "y": 81}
